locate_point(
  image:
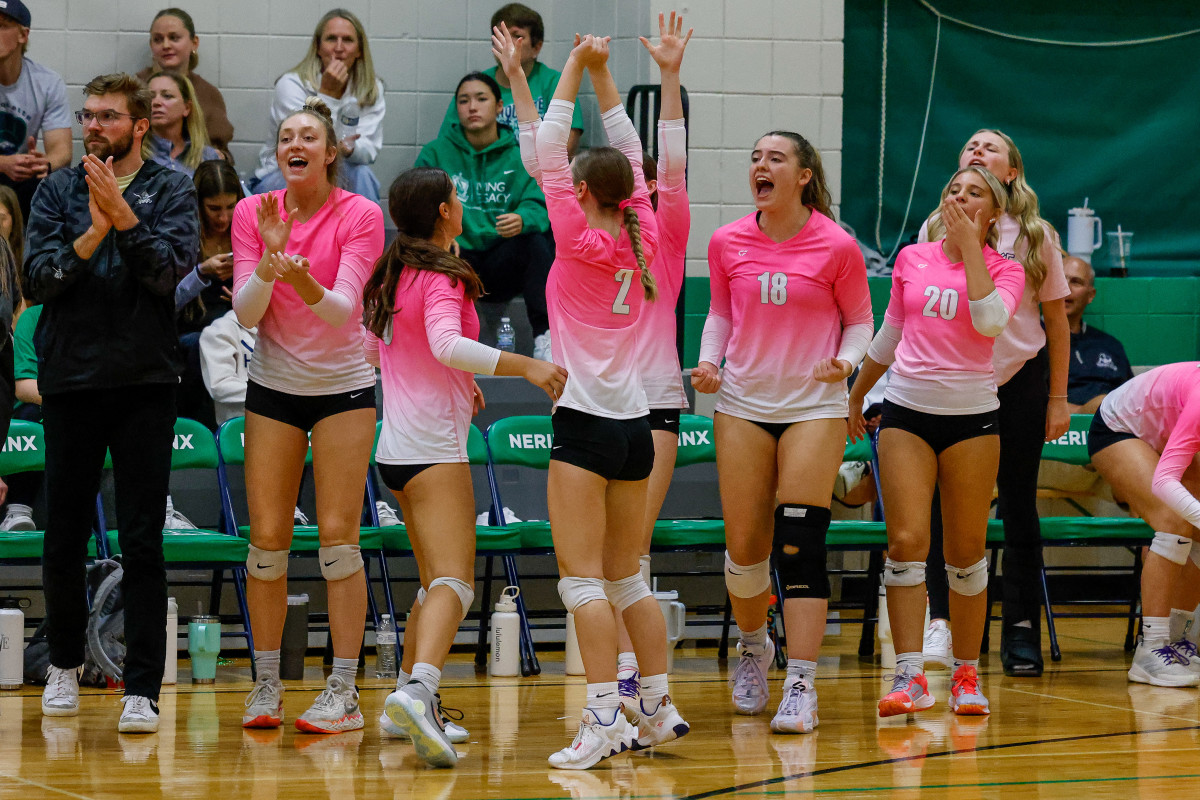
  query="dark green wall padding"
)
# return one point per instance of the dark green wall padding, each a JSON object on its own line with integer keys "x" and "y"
{"x": 1157, "y": 319}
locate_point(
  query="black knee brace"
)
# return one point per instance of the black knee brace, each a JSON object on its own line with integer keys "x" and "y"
{"x": 799, "y": 550}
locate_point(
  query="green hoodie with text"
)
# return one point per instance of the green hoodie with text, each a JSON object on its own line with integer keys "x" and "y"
{"x": 490, "y": 182}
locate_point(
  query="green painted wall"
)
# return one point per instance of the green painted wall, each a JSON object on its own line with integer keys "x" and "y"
{"x": 1157, "y": 319}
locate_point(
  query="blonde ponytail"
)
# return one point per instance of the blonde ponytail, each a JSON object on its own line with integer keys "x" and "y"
{"x": 634, "y": 227}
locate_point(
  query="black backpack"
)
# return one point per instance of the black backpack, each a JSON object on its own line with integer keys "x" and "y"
{"x": 104, "y": 651}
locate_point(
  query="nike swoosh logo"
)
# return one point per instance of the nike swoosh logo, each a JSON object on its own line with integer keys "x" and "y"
{"x": 899, "y": 571}
{"x": 262, "y": 566}
{"x": 358, "y": 394}
{"x": 331, "y": 563}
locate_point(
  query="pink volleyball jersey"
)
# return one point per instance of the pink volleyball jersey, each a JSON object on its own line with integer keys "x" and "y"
{"x": 943, "y": 365}
{"x": 297, "y": 352}
{"x": 662, "y": 377}
{"x": 1162, "y": 408}
{"x": 1023, "y": 336}
{"x": 427, "y": 405}
{"x": 594, "y": 292}
{"x": 788, "y": 304}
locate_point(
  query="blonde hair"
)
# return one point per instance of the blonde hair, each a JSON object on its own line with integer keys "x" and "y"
{"x": 937, "y": 228}
{"x": 194, "y": 126}
{"x": 363, "y": 84}
{"x": 1023, "y": 205}
{"x": 609, "y": 177}
{"x": 315, "y": 107}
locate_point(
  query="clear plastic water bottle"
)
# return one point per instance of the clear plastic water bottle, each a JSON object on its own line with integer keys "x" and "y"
{"x": 385, "y": 648}
{"x": 348, "y": 118}
{"x": 506, "y": 337}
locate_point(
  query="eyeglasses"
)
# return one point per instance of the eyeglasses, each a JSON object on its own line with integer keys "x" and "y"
{"x": 105, "y": 118}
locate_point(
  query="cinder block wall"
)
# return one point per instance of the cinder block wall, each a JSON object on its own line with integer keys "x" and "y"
{"x": 753, "y": 65}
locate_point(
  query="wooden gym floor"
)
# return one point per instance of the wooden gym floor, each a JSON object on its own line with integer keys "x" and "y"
{"x": 1079, "y": 731}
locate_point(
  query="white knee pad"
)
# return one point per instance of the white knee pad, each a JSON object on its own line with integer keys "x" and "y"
{"x": 421, "y": 593}
{"x": 747, "y": 581}
{"x": 1175, "y": 549}
{"x": 968, "y": 581}
{"x": 266, "y": 565}
{"x": 576, "y": 592}
{"x": 464, "y": 590}
{"x": 644, "y": 569}
{"x": 340, "y": 561}
{"x": 903, "y": 573}
{"x": 627, "y": 591}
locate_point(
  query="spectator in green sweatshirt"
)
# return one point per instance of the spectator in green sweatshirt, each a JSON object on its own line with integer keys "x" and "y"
{"x": 506, "y": 232}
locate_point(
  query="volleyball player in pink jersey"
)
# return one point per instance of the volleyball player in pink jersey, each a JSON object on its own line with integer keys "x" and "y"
{"x": 301, "y": 257}
{"x": 603, "y": 453}
{"x": 1031, "y": 373}
{"x": 420, "y": 302}
{"x": 950, "y": 299}
{"x": 1144, "y": 441}
{"x": 791, "y": 317}
{"x": 662, "y": 377}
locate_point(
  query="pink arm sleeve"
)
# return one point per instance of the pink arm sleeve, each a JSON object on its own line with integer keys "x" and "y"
{"x": 360, "y": 251}
{"x": 853, "y": 298}
{"x": 443, "y": 328}
{"x": 250, "y": 297}
{"x": 1177, "y": 456}
{"x": 718, "y": 327}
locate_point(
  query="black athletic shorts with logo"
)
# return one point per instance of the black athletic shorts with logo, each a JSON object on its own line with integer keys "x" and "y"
{"x": 664, "y": 419}
{"x": 614, "y": 449}
{"x": 304, "y": 411}
{"x": 939, "y": 431}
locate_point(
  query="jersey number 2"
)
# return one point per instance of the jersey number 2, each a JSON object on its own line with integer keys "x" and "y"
{"x": 946, "y": 308}
{"x": 625, "y": 278}
{"x": 774, "y": 288}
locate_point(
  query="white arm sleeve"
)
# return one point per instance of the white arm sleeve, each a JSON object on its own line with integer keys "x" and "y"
{"x": 333, "y": 307}
{"x": 1180, "y": 500}
{"x": 883, "y": 346}
{"x": 989, "y": 315}
{"x": 715, "y": 338}
{"x": 252, "y": 300}
{"x": 672, "y": 152}
{"x": 855, "y": 340}
{"x": 527, "y": 138}
{"x": 471, "y": 356}
{"x": 371, "y": 348}
{"x": 622, "y": 135}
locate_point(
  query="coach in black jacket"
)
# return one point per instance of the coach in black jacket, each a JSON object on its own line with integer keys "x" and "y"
{"x": 107, "y": 242}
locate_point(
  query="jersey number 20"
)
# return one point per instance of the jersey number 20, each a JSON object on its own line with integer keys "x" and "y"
{"x": 774, "y": 288}
{"x": 946, "y": 308}
{"x": 625, "y": 278}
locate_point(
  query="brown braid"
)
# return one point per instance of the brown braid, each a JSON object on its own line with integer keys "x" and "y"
{"x": 634, "y": 228}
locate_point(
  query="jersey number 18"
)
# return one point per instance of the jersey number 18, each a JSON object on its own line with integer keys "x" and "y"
{"x": 774, "y": 288}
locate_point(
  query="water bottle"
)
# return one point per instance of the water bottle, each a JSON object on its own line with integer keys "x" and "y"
{"x": 348, "y": 118}
{"x": 12, "y": 648}
{"x": 506, "y": 633}
{"x": 171, "y": 665}
{"x": 385, "y": 648}
{"x": 506, "y": 337}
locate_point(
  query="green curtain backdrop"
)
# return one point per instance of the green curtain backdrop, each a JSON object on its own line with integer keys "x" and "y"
{"x": 1117, "y": 124}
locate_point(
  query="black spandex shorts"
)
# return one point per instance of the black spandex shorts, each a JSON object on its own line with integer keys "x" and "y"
{"x": 664, "y": 419}
{"x": 614, "y": 449}
{"x": 939, "y": 431}
{"x": 397, "y": 476}
{"x": 304, "y": 411}
{"x": 1101, "y": 436}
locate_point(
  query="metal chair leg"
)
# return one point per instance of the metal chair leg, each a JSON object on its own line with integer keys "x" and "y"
{"x": 866, "y": 641}
{"x": 1055, "y": 651}
{"x": 239, "y": 586}
{"x": 529, "y": 655}
{"x": 723, "y": 646}
{"x": 485, "y": 606}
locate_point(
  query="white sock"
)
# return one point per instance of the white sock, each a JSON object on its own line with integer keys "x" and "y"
{"x": 960, "y": 662}
{"x": 266, "y": 662}
{"x": 345, "y": 668}
{"x": 1025, "y": 623}
{"x": 603, "y": 697}
{"x": 910, "y": 663}
{"x": 1155, "y": 630}
{"x": 402, "y": 677}
{"x": 755, "y": 640}
{"x": 654, "y": 689}
{"x": 627, "y": 666}
{"x": 1179, "y": 623}
{"x": 427, "y": 675}
{"x": 798, "y": 669}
